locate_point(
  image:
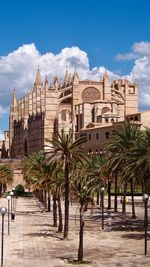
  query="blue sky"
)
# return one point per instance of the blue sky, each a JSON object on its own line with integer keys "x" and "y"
{"x": 113, "y": 34}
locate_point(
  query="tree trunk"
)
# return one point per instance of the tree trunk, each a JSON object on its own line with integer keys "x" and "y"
{"x": 80, "y": 250}
{"x": 124, "y": 199}
{"x": 45, "y": 199}
{"x": 54, "y": 210}
{"x": 49, "y": 202}
{"x": 109, "y": 194}
{"x": 97, "y": 198}
{"x": 142, "y": 187}
{"x": 132, "y": 196}
{"x": 4, "y": 188}
{"x": 0, "y": 190}
{"x": 60, "y": 226}
{"x": 116, "y": 192}
{"x": 66, "y": 223}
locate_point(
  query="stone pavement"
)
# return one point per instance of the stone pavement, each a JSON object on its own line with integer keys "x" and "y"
{"x": 34, "y": 242}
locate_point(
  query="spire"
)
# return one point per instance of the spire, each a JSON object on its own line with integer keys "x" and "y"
{"x": 66, "y": 79}
{"x": 55, "y": 83}
{"x": 14, "y": 99}
{"x": 46, "y": 83}
{"x": 106, "y": 79}
{"x": 38, "y": 80}
{"x": 60, "y": 84}
{"x": 75, "y": 77}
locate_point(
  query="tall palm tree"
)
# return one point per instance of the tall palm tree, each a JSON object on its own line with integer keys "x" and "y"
{"x": 63, "y": 148}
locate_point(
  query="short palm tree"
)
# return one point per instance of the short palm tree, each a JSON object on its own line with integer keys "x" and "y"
{"x": 82, "y": 189}
{"x": 6, "y": 177}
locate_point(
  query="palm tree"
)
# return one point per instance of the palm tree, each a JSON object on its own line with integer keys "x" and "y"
{"x": 119, "y": 146}
{"x": 139, "y": 160}
{"x": 81, "y": 186}
{"x": 65, "y": 149}
{"x": 6, "y": 177}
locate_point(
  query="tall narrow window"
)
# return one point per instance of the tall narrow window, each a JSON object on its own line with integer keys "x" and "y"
{"x": 107, "y": 135}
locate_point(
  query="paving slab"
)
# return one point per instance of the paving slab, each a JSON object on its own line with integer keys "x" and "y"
{"x": 33, "y": 241}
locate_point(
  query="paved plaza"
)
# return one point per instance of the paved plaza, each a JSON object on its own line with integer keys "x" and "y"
{"x": 34, "y": 242}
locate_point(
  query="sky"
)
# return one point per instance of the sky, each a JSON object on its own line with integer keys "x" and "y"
{"x": 94, "y": 35}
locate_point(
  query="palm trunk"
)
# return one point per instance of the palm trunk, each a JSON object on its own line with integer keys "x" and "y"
{"x": 4, "y": 188}
{"x": 97, "y": 198}
{"x": 0, "y": 190}
{"x": 142, "y": 187}
{"x": 109, "y": 194}
{"x": 45, "y": 199}
{"x": 132, "y": 196}
{"x": 66, "y": 223}
{"x": 124, "y": 199}
{"x": 54, "y": 210}
{"x": 116, "y": 192}
{"x": 60, "y": 226}
{"x": 80, "y": 250}
{"x": 49, "y": 202}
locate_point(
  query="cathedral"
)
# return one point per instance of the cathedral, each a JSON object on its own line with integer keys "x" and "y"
{"x": 72, "y": 103}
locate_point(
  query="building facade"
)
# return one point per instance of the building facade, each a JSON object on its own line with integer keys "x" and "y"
{"x": 73, "y": 103}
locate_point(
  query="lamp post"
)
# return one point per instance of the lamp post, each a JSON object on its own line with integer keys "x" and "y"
{"x": 8, "y": 198}
{"x": 3, "y": 211}
{"x": 145, "y": 200}
{"x": 102, "y": 205}
{"x": 11, "y": 194}
{"x": 14, "y": 204}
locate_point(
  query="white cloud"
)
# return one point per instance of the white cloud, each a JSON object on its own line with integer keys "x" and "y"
{"x": 142, "y": 48}
{"x": 140, "y": 52}
{"x": 128, "y": 56}
{"x": 2, "y": 111}
{"x": 18, "y": 69}
{"x": 137, "y": 50}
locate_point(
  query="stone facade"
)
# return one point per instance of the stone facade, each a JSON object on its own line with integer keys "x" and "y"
{"x": 73, "y": 103}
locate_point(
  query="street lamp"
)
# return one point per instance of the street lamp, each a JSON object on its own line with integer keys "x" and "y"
{"x": 13, "y": 190}
{"x": 8, "y": 198}
{"x": 3, "y": 211}
{"x": 145, "y": 200}
{"x": 11, "y": 194}
{"x": 102, "y": 205}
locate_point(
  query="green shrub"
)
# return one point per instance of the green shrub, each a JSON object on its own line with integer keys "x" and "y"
{"x": 19, "y": 190}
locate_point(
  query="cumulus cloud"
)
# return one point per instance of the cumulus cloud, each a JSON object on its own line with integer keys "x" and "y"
{"x": 18, "y": 69}
{"x": 137, "y": 50}
{"x": 127, "y": 56}
{"x": 2, "y": 111}
{"x": 140, "y": 53}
